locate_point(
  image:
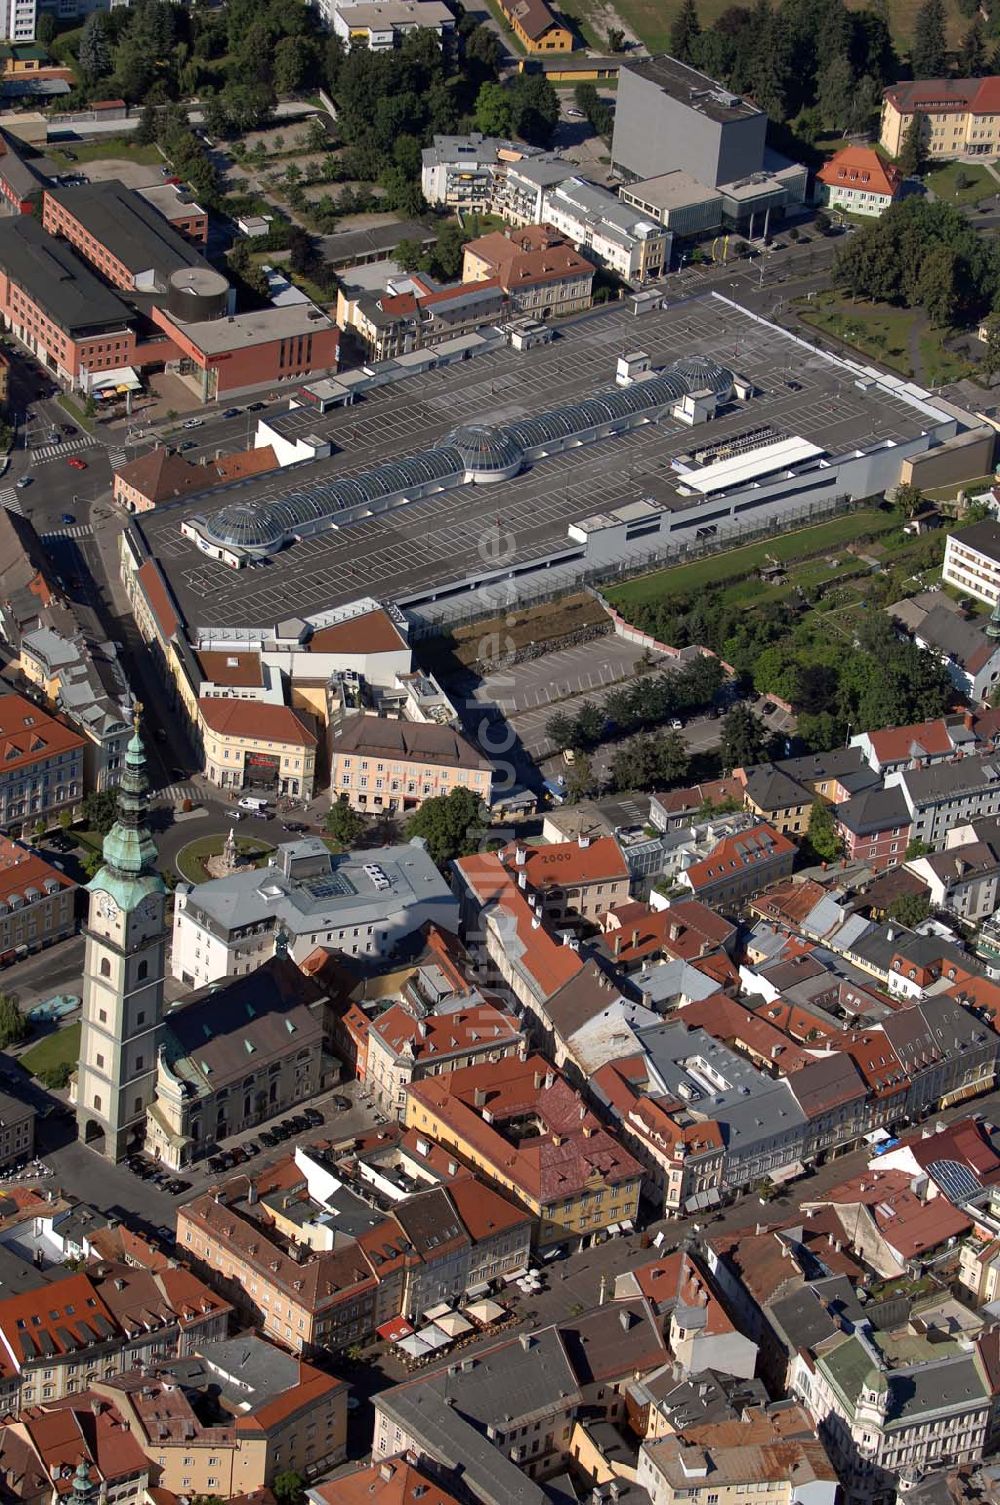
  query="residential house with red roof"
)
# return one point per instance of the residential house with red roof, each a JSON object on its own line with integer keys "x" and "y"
{"x": 406, "y": 1043}
{"x": 536, "y": 266}
{"x": 62, "y": 1441}
{"x": 400, "y": 1480}
{"x": 743, "y": 861}
{"x": 857, "y": 179}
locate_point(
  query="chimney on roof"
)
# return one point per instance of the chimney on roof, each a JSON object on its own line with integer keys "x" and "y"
{"x": 385, "y": 1472}
{"x": 525, "y": 1341}
{"x": 520, "y": 856}
{"x": 251, "y": 1191}
{"x": 968, "y": 720}
{"x": 675, "y": 930}
{"x": 617, "y": 947}
{"x": 583, "y": 841}
{"x": 550, "y": 1078}
{"x": 535, "y": 922}
{"x": 625, "y": 1318}
{"x": 890, "y": 934}
{"x": 479, "y": 1097}
{"x": 635, "y": 938}
{"x": 522, "y": 880}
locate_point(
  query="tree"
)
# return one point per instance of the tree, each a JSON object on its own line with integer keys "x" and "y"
{"x": 560, "y": 729}
{"x": 145, "y": 131}
{"x": 588, "y": 725}
{"x": 685, "y": 31}
{"x": 451, "y": 824}
{"x": 744, "y": 739}
{"x": 408, "y": 254}
{"x": 929, "y": 49}
{"x": 616, "y": 39}
{"x": 494, "y": 111}
{"x": 907, "y": 499}
{"x": 991, "y": 344}
{"x": 580, "y": 778}
{"x": 824, "y": 838}
{"x": 94, "y": 53}
{"x": 912, "y": 157}
{"x": 45, "y": 29}
{"x": 344, "y": 823}
{"x": 835, "y": 89}
{"x": 917, "y": 848}
{"x": 100, "y": 810}
{"x": 289, "y": 1488}
{"x": 910, "y": 909}
{"x": 534, "y": 108}
{"x": 973, "y": 59}
{"x": 65, "y": 820}
{"x": 295, "y": 62}
{"x": 14, "y": 1027}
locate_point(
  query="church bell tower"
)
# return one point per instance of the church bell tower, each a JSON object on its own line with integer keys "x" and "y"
{"x": 126, "y": 939}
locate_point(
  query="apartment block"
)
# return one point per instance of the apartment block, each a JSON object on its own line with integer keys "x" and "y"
{"x": 972, "y": 561}
{"x": 380, "y": 765}
{"x": 37, "y": 902}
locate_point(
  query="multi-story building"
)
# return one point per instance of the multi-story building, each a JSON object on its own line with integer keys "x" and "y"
{"x": 972, "y": 561}
{"x": 457, "y": 172}
{"x": 381, "y": 765}
{"x": 883, "y": 1415}
{"x": 17, "y": 1131}
{"x": 969, "y": 655}
{"x": 41, "y": 766}
{"x": 599, "y": 224}
{"x": 180, "y": 211}
{"x": 64, "y": 1334}
{"x": 571, "y": 880}
{"x": 668, "y": 115}
{"x": 408, "y": 1042}
{"x": 741, "y": 863}
{"x": 272, "y": 1413}
{"x": 50, "y": 300}
{"x": 875, "y": 827}
{"x": 381, "y": 25}
{"x": 267, "y": 749}
{"x": 941, "y": 796}
{"x": 414, "y": 312}
{"x": 959, "y": 116}
{"x": 37, "y": 902}
{"x": 161, "y": 475}
{"x": 695, "y": 1467}
{"x": 129, "y": 242}
{"x": 84, "y": 680}
{"x": 540, "y": 273}
{"x": 858, "y": 180}
{"x": 364, "y": 904}
{"x": 521, "y": 1125}
{"x": 17, "y": 21}
{"x": 78, "y": 1451}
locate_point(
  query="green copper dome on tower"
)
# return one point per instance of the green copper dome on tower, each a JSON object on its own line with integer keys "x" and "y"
{"x": 129, "y": 850}
{"x": 993, "y": 625}
{"x": 84, "y": 1490}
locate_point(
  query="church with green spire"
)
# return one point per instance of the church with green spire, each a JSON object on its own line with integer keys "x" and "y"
{"x": 222, "y": 1060}
{"x": 126, "y": 943}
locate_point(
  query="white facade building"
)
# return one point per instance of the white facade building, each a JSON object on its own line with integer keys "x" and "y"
{"x": 598, "y": 223}
{"x": 363, "y": 905}
{"x": 972, "y": 561}
{"x": 381, "y": 25}
{"x": 17, "y": 18}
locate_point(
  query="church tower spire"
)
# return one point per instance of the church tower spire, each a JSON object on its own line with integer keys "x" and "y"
{"x": 123, "y": 975}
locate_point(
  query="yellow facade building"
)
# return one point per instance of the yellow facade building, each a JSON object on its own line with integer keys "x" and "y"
{"x": 960, "y": 117}
{"x": 536, "y": 27}
{"x": 538, "y": 1141}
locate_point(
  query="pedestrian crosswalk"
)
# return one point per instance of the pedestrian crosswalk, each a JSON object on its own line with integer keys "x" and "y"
{"x": 10, "y": 500}
{"x": 62, "y": 451}
{"x": 117, "y": 457}
{"x": 176, "y": 793}
{"x": 78, "y": 530}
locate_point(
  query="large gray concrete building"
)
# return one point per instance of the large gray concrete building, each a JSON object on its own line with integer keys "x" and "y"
{"x": 671, "y": 116}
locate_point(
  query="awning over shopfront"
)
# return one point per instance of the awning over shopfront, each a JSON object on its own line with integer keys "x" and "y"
{"x": 787, "y": 1173}
{"x": 115, "y": 383}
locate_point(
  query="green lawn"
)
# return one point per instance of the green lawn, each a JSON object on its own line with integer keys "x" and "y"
{"x": 715, "y": 569}
{"x": 62, "y": 1045}
{"x": 103, "y": 151}
{"x": 580, "y": 15}
{"x": 876, "y": 330}
{"x": 940, "y": 364}
{"x": 943, "y": 182}
{"x": 191, "y": 859}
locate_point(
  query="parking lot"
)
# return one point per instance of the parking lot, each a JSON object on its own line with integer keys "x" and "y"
{"x": 528, "y": 694}
{"x": 469, "y": 530}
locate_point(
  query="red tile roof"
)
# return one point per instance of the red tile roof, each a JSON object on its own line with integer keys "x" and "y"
{"x": 166, "y": 616}
{"x": 238, "y": 670}
{"x": 528, "y": 257}
{"x": 391, "y": 1481}
{"x": 549, "y": 963}
{"x": 895, "y": 744}
{"x": 371, "y": 632}
{"x": 21, "y": 870}
{"x": 253, "y": 719}
{"x": 28, "y": 733}
{"x": 758, "y": 845}
{"x": 979, "y": 96}
{"x": 438, "y": 1036}
{"x": 561, "y": 863}
{"x": 69, "y": 1314}
{"x": 861, "y": 167}
{"x": 560, "y": 1160}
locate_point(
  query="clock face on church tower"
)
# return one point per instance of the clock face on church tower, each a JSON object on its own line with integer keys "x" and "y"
{"x": 106, "y": 907}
